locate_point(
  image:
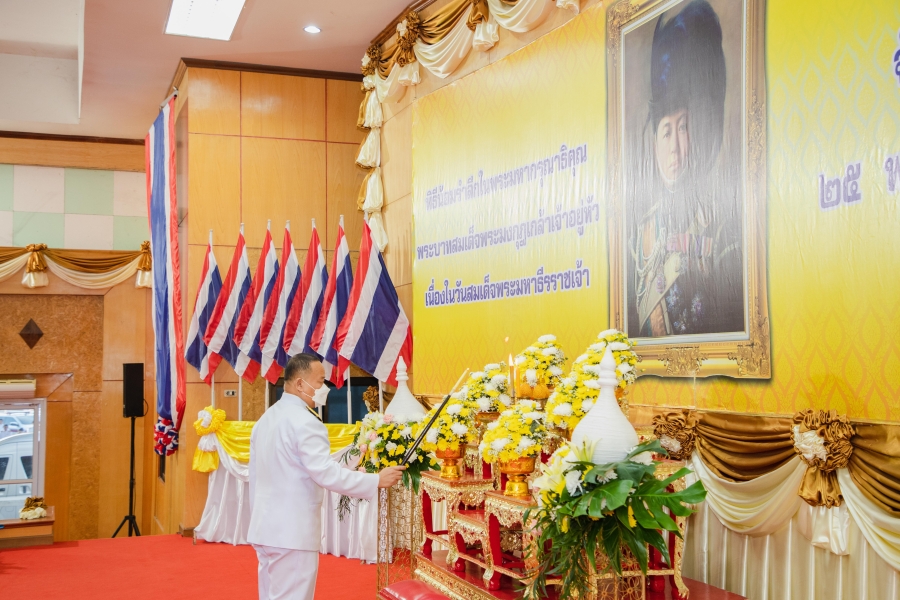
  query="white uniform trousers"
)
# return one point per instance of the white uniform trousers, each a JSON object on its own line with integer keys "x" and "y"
{"x": 286, "y": 574}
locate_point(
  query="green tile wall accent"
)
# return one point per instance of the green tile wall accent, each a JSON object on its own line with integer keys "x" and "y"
{"x": 89, "y": 192}
{"x": 38, "y": 228}
{"x": 129, "y": 232}
{"x": 6, "y": 187}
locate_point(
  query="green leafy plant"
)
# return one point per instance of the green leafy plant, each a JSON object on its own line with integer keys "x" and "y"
{"x": 588, "y": 509}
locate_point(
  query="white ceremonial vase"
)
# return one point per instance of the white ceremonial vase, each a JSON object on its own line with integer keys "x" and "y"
{"x": 605, "y": 423}
{"x": 404, "y": 404}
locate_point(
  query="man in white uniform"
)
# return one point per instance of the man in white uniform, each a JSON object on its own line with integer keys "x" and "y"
{"x": 289, "y": 467}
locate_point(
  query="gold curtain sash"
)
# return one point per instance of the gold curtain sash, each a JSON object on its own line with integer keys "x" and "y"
{"x": 743, "y": 447}
{"x": 875, "y": 464}
{"x": 84, "y": 261}
{"x": 820, "y": 485}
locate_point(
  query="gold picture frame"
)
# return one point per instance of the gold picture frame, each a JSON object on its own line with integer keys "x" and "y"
{"x": 744, "y": 354}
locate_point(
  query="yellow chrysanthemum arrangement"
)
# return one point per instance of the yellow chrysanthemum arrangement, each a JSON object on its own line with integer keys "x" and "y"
{"x": 575, "y": 396}
{"x": 488, "y": 389}
{"x": 540, "y": 363}
{"x": 383, "y": 440}
{"x": 454, "y": 426}
{"x": 518, "y": 433}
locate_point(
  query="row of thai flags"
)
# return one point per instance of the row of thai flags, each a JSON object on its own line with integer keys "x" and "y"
{"x": 256, "y": 323}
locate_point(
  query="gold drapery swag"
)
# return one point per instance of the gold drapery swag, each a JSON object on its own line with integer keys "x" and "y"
{"x": 88, "y": 262}
{"x": 740, "y": 447}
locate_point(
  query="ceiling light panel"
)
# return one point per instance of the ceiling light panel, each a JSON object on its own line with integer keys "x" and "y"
{"x": 211, "y": 19}
{"x": 311, "y": 29}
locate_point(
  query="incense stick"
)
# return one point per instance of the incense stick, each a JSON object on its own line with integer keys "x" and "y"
{"x": 412, "y": 449}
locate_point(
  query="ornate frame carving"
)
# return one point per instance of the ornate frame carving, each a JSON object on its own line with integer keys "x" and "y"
{"x": 743, "y": 358}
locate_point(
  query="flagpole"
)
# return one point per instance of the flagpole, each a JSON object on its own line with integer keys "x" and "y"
{"x": 349, "y": 401}
{"x": 267, "y": 395}
{"x": 240, "y": 398}
{"x": 212, "y": 390}
{"x": 380, "y": 396}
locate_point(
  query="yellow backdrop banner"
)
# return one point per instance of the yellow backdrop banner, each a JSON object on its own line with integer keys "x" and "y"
{"x": 510, "y": 221}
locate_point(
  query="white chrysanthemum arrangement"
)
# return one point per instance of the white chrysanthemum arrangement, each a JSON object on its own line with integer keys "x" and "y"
{"x": 488, "y": 389}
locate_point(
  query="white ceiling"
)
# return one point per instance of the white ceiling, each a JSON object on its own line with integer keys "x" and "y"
{"x": 129, "y": 61}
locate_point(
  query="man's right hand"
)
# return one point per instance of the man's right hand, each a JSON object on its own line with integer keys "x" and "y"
{"x": 388, "y": 476}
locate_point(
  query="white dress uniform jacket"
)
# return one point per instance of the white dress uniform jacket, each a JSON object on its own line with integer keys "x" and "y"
{"x": 289, "y": 467}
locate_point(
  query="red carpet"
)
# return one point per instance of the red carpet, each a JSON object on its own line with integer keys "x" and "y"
{"x": 159, "y": 566}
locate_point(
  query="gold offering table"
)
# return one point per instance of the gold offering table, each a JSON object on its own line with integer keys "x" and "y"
{"x": 491, "y": 553}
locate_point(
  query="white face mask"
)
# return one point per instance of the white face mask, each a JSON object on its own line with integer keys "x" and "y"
{"x": 319, "y": 395}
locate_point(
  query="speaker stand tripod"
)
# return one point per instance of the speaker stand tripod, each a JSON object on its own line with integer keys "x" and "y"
{"x": 129, "y": 518}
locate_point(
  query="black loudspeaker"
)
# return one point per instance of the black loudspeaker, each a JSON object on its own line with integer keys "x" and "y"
{"x": 133, "y": 390}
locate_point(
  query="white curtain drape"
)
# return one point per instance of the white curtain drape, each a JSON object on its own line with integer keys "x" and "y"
{"x": 522, "y": 16}
{"x": 94, "y": 281}
{"x": 226, "y": 515}
{"x": 784, "y": 565}
{"x": 445, "y": 56}
{"x": 756, "y": 507}
{"x": 370, "y": 151}
{"x": 880, "y": 529}
{"x": 11, "y": 267}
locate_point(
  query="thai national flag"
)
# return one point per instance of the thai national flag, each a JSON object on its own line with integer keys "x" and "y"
{"x": 272, "y": 331}
{"x": 197, "y": 353}
{"x": 249, "y": 323}
{"x": 162, "y": 205}
{"x": 219, "y": 335}
{"x": 307, "y": 304}
{"x": 375, "y": 330}
{"x": 337, "y": 294}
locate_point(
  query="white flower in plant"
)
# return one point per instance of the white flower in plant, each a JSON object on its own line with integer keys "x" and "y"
{"x": 603, "y": 334}
{"x": 619, "y": 346}
{"x": 594, "y": 384}
{"x": 582, "y": 358}
{"x": 484, "y": 404}
{"x": 520, "y": 359}
{"x": 481, "y": 447}
{"x": 555, "y": 371}
{"x": 506, "y": 413}
{"x": 498, "y": 380}
{"x": 624, "y": 368}
{"x": 525, "y": 442}
{"x": 536, "y": 415}
{"x": 490, "y": 387}
{"x": 587, "y": 404}
{"x": 531, "y": 377}
{"x": 644, "y": 458}
{"x": 598, "y": 347}
{"x": 573, "y": 482}
{"x": 459, "y": 429}
{"x": 406, "y": 431}
{"x": 498, "y": 445}
{"x": 546, "y": 339}
{"x": 432, "y": 436}
{"x": 563, "y": 410}
{"x": 670, "y": 443}
{"x": 531, "y": 349}
{"x": 491, "y": 367}
{"x": 454, "y": 409}
{"x": 592, "y": 369}
{"x": 478, "y": 375}
{"x": 608, "y": 476}
{"x": 390, "y": 446}
{"x": 551, "y": 351}
{"x": 504, "y": 399}
{"x": 493, "y": 425}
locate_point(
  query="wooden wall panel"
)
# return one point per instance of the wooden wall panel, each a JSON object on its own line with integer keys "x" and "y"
{"x": 342, "y": 111}
{"x": 399, "y": 253}
{"x": 214, "y": 188}
{"x": 57, "y": 463}
{"x": 195, "y": 485}
{"x": 124, "y": 328}
{"x": 115, "y": 448}
{"x": 344, "y": 179}
{"x": 282, "y": 106}
{"x": 282, "y": 179}
{"x": 84, "y": 488}
{"x": 214, "y": 101}
{"x": 396, "y": 156}
{"x": 83, "y": 155}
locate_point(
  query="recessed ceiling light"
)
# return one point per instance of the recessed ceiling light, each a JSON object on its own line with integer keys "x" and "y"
{"x": 311, "y": 29}
{"x": 211, "y": 19}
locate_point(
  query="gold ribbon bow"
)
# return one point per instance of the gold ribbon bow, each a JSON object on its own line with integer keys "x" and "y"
{"x": 406, "y": 55}
{"x": 36, "y": 501}
{"x": 677, "y": 433}
{"x": 146, "y": 262}
{"x": 36, "y": 262}
{"x": 822, "y": 439}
